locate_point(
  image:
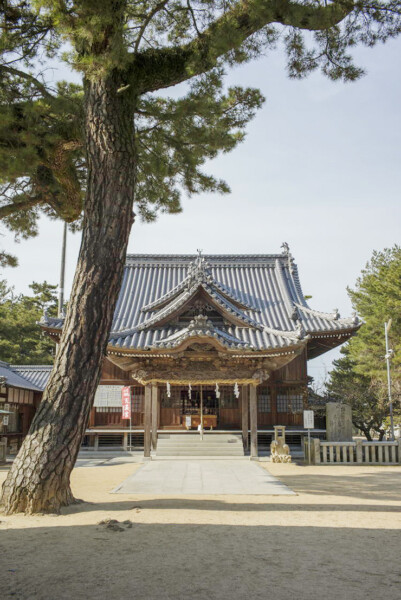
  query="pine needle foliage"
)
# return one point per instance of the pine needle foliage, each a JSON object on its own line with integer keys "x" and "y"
{"x": 21, "y": 341}
{"x": 359, "y": 377}
{"x": 154, "y": 44}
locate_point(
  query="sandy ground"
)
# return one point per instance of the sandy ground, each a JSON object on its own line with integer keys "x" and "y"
{"x": 338, "y": 538}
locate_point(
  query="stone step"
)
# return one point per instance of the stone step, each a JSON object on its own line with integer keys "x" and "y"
{"x": 199, "y": 442}
{"x": 196, "y": 453}
{"x": 190, "y": 444}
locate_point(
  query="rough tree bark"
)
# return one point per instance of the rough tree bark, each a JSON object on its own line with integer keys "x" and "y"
{"x": 39, "y": 480}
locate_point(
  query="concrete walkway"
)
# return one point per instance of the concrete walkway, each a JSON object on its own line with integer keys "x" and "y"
{"x": 186, "y": 477}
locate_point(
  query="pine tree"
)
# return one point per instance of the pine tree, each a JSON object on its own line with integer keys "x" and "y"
{"x": 21, "y": 341}
{"x": 98, "y": 150}
{"x": 359, "y": 377}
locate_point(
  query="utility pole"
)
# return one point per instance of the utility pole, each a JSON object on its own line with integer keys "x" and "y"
{"x": 389, "y": 354}
{"x": 62, "y": 273}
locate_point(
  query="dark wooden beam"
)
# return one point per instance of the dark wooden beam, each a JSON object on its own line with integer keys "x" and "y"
{"x": 148, "y": 420}
{"x": 245, "y": 418}
{"x": 253, "y": 413}
{"x": 155, "y": 414}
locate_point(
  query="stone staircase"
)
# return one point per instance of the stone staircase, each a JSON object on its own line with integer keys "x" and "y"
{"x": 214, "y": 444}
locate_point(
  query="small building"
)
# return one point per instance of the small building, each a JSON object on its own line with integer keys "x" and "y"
{"x": 220, "y": 341}
{"x": 19, "y": 398}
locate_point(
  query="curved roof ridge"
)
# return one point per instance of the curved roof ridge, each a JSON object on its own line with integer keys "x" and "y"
{"x": 198, "y": 271}
{"x": 200, "y": 326}
{"x": 296, "y": 334}
{"x": 288, "y": 300}
{"x": 180, "y": 300}
{"x": 334, "y": 316}
{"x": 31, "y": 367}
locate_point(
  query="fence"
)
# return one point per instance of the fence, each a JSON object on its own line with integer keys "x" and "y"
{"x": 359, "y": 452}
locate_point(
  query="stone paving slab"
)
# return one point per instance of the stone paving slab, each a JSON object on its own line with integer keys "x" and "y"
{"x": 211, "y": 477}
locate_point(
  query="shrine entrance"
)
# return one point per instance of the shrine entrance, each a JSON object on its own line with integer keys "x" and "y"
{"x": 186, "y": 408}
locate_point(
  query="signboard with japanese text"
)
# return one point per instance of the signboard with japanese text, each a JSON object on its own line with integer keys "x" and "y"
{"x": 126, "y": 402}
{"x": 108, "y": 396}
{"x": 309, "y": 421}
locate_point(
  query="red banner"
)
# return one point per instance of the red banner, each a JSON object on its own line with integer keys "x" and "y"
{"x": 126, "y": 402}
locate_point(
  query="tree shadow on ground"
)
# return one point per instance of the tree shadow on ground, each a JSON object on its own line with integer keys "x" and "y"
{"x": 206, "y": 504}
{"x": 206, "y": 562}
{"x": 382, "y": 485}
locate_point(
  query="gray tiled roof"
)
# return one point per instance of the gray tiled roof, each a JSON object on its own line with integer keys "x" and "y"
{"x": 15, "y": 379}
{"x": 261, "y": 291}
{"x": 269, "y": 283}
{"x": 35, "y": 374}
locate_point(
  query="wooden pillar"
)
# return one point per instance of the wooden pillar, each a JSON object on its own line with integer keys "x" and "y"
{"x": 147, "y": 420}
{"x": 155, "y": 414}
{"x": 245, "y": 419}
{"x": 273, "y": 396}
{"x": 92, "y": 417}
{"x": 253, "y": 413}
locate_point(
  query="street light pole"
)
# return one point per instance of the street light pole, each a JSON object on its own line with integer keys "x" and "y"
{"x": 388, "y": 356}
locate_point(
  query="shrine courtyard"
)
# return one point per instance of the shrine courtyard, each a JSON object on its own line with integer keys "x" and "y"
{"x": 337, "y": 537}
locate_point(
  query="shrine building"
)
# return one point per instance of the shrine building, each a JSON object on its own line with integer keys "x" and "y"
{"x": 220, "y": 341}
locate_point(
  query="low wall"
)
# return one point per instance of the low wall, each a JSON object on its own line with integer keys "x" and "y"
{"x": 359, "y": 452}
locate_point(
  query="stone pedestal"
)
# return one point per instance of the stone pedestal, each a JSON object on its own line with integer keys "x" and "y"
{"x": 338, "y": 422}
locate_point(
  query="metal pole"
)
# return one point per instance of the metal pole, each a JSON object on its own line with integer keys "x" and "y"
{"x": 62, "y": 272}
{"x": 201, "y": 412}
{"x": 390, "y": 401}
{"x": 309, "y": 448}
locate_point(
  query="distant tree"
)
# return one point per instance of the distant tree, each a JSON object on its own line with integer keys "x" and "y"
{"x": 367, "y": 400}
{"x": 115, "y": 143}
{"x": 21, "y": 341}
{"x": 359, "y": 377}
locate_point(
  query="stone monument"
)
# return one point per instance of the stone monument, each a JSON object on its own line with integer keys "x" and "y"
{"x": 338, "y": 422}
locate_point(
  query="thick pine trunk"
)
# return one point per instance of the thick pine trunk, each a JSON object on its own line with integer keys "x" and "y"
{"x": 39, "y": 480}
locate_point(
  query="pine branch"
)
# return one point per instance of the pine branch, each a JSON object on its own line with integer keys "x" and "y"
{"x": 157, "y": 69}
{"x": 14, "y": 207}
{"x": 28, "y": 77}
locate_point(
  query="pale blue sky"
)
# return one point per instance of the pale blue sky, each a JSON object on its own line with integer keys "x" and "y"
{"x": 319, "y": 169}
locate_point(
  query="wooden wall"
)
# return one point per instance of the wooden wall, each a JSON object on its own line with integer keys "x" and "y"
{"x": 113, "y": 375}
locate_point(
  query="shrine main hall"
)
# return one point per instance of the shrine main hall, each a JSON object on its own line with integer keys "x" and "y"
{"x": 219, "y": 342}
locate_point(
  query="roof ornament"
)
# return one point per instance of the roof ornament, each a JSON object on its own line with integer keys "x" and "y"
{"x": 355, "y": 318}
{"x": 287, "y": 253}
{"x": 294, "y": 316}
{"x": 336, "y": 314}
{"x": 300, "y": 331}
{"x": 45, "y": 317}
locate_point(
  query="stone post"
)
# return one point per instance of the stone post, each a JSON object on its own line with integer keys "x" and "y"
{"x": 316, "y": 451}
{"x": 359, "y": 455}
